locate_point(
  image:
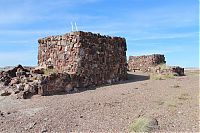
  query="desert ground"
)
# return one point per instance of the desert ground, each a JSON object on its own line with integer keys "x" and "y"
{"x": 173, "y": 102}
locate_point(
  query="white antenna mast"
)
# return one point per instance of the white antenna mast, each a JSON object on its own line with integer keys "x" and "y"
{"x": 76, "y": 26}
{"x": 72, "y": 26}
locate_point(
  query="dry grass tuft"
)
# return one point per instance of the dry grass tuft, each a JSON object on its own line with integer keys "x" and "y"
{"x": 156, "y": 76}
{"x": 183, "y": 96}
{"x": 49, "y": 71}
{"x": 176, "y": 86}
{"x": 143, "y": 124}
{"x": 192, "y": 73}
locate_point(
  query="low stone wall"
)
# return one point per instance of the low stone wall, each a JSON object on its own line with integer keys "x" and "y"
{"x": 154, "y": 64}
{"x": 144, "y": 62}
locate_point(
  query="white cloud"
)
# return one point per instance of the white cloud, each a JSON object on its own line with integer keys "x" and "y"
{"x": 37, "y": 10}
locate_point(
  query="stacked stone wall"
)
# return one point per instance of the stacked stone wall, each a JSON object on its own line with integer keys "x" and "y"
{"x": 92, "y": 58}
{"x": 145, "y": 62}
{"x": 154, "y": 64}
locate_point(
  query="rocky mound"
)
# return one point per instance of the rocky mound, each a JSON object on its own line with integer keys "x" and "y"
{"x": 19, "y": 81}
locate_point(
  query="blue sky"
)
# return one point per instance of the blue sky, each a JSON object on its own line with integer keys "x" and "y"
{"x": 169, "y": 27}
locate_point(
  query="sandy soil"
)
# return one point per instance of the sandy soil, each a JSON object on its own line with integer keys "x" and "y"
{"x": 173, "y": 102}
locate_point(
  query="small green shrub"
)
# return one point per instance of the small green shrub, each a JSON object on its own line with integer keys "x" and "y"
{"x": 49, "y": 71}
{"x": 140, "y": 125}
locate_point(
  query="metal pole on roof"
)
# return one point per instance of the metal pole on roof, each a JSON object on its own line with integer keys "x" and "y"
{"x": 72, "y": 26}
{"x": 76, "y": 26}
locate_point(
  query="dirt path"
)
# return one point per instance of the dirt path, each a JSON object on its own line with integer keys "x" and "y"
{"x": 173, "y": 102}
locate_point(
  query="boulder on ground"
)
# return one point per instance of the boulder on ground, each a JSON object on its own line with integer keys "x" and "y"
{"x": 7, "y": 76}
{"x": 14, "y": 81}
{"x": 17, "y": 71}
{"x": 5, "y": 93}
{"x": 38, "y": 70}
{"x": 178, "y": 70}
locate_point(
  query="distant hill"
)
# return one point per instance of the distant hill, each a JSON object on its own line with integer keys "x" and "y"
{"x": 11, "y": 67}
{"x": 192, "y": 68}
{"x": 6, "y": 68}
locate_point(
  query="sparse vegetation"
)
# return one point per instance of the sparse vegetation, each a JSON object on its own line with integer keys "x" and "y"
{"x": 192, "y": 73}
{"x": 165, "y": 100}
{"x": 163, "y": 66}
{"x": 159, "y": 102}
{"x": 142, "y": 124}
{"x": 49, "y": 71}
{"x": 183, "y": 96}
{"x": 176, "y": 86}
{"x": 171, "y": 103}
{"x": 168, "y": 103}
{"x": 175, "y": 101}
{"x": 157, "y": 76}
{"x": 169, "y": 76}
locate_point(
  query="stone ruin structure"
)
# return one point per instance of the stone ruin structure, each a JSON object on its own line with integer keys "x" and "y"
{"x": 82, "y": 59}
{"x": 145, "y": 62}
{"x": 153, "y": 63}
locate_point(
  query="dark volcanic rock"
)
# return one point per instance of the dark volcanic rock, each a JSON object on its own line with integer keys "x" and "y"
{"x": 5, "y": 93}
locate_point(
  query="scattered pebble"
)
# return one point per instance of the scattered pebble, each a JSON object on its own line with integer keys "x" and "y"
{"x": 44, "y": 130}
{"x": 5, "y": 93}
{"x": 45, "y": 119}
{"x": 1, "y": 113}
{"x": 30, "y": 125}
{"x": 8, "y": 113}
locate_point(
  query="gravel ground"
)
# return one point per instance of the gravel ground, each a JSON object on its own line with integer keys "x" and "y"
{"x": 173, "y": 102}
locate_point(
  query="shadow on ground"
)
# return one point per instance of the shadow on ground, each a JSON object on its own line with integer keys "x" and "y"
{"x": 132, "y": 77}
